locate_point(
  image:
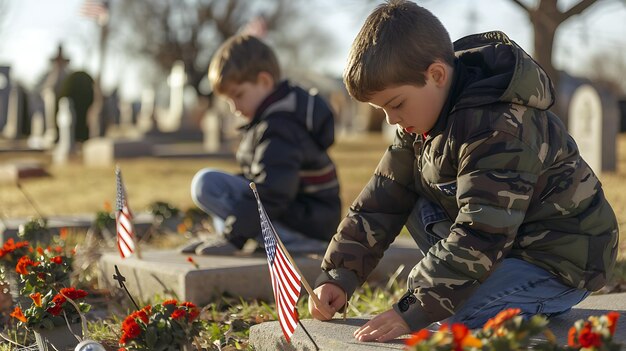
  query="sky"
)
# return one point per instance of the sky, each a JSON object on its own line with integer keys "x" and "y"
{"x": 31, "y": 31}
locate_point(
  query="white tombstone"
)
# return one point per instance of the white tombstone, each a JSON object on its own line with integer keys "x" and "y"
{"x": 49, "y": 102}
{"x": 592, "y": 125}
{"x": 35, "y": 140}
{"x": 177, "y": 79}
{"x": 144, "y": 118}
{"x": 65, "y": 121}
{"x": 12, "y": 127}
{"x": 211, "y": 131}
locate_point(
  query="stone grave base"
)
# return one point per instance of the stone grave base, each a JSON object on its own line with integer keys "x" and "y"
{"x": 337, "y": 334}
{"x": 169, "y": 274}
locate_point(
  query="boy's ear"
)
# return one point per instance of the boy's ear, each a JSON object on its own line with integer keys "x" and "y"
{"x": 438, "y": 73}
{"x": 265, "y": 79}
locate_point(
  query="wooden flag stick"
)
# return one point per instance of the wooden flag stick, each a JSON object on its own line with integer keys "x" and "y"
{"x": 324, "y": 310}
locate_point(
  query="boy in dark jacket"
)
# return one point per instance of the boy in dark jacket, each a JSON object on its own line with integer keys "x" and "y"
{"x": 283, "y": 150}
{"x": 485, "y": 178}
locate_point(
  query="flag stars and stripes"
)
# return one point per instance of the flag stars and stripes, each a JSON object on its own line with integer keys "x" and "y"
{"x": 123, "y": 220}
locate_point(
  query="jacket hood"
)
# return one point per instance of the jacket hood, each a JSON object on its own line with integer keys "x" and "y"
{"x": 308, "y": 108}
{"x": 498, "y": 70}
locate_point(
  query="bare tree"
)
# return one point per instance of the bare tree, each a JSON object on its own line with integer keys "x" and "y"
{"x": 165, "y": 31}
{"x": 545, "y": 17}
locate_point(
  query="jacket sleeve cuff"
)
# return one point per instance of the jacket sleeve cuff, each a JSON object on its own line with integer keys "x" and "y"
{"x": 412, "y": 312}
{"x": 342, "y": 277}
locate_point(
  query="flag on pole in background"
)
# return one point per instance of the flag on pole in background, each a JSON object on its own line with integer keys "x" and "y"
{"x": 285, "y": 278}
{"x": 123, "y": 220}
{"x": 97, "y": 10}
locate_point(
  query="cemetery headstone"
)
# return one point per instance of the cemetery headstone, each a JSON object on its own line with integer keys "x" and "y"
{"x": 593, "y": 125}
{"x": 49, "y": 101}
{"x": 146, "y": 112}
{"x": 5, "y": 89}
{"x": 211, "y": 131}
{"x": 171, "y": 120}
{"x": 13, "y": 126}
{"x": 65, "y": 121}
{"x": 36, "y": 140}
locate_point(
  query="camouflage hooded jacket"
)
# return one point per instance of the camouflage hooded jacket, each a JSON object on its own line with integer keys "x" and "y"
{"x": 507, "y": 174}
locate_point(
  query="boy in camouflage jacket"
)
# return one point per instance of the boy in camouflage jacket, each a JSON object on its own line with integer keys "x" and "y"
{"x": 486, "y": 179}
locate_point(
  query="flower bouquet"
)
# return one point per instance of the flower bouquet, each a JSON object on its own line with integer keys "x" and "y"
{"x": 10, "y": 253}
{"x": 52, "y": 309}
{"x": 167, "y": 326}
{"x": 594, "y": 334}
{"x": 44, "y": 269}
{"x": 509, "y": 331}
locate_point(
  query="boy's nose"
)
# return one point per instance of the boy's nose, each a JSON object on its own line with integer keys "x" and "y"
{"x": 391, "y": 118}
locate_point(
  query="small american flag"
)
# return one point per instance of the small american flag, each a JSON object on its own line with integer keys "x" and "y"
{"x": 97, "y": 10}
{"x": 123, "y": 220}
{"x": 285, "y": 278}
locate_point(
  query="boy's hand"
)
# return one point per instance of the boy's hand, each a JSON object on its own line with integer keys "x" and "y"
{"x": 332, "y": 298}
{"x": 382, "y": 328}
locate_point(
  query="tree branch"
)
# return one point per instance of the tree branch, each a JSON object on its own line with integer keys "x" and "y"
{"x": 522, "y": 5}
{"x": 578, "y": 8}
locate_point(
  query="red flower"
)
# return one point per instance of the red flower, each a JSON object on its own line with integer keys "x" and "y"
{"x": 147, "y": 308}
{"x": 36, "y": 299}
{"x": 74, "y": 293}
{"x": 141, "y": 314}
{"x": 130, "y": 330}
{"x": 587, "y": 338}
{"x": 178, "y": 314}
{"x": 23, "y": 263}
{"x": 193, "y": 314}
{"x": 417, "y": 337}
{"x": 188, "y": 304}
{"x": 18, "y": 314}
{"x": 571, "y": 337}
{"x": 170, "y": 302}
{"x": 612, "y": 317}
{"x": 40, "y": 251}
{"x": 495, "y": 322}
{"x": 58, "y": 301}
{"x": 57, "y": 260}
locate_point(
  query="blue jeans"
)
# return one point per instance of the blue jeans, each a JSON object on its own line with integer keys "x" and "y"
{"x": 217, "y": 193}
{"x": 513, "y": 284}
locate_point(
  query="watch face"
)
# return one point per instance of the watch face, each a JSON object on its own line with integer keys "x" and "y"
{"x": 89, "y": 345}
{"x": 406, "y": 302}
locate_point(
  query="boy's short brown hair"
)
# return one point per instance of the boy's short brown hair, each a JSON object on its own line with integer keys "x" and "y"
{"x": 395, "y": 46}
{"x": 240, "y": 59}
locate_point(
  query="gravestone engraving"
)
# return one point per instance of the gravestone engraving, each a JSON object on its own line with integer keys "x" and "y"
{"x": 592, "y": 123}
{"x": 65, "y": 121}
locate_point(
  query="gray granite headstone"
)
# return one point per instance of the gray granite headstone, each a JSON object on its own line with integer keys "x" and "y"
{"x": 592, "y": 122}
{"x": 5, "y": 88}
{"x": 13, "y": 125}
